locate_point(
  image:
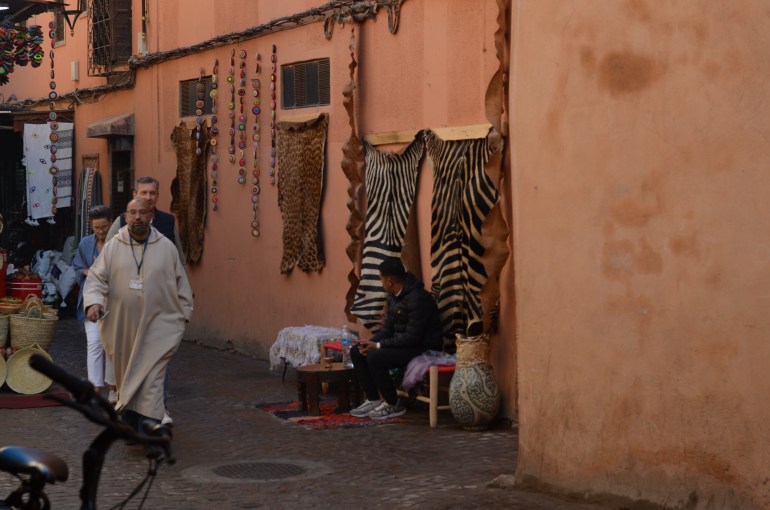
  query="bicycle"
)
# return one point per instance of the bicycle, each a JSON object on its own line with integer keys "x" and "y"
{"x": 36, "y": 468}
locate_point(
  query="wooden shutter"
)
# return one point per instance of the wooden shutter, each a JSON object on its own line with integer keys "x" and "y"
{"x": 120, "y": 16}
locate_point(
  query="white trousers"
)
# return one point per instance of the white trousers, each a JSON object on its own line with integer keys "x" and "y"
{"x": 99, "y": 367}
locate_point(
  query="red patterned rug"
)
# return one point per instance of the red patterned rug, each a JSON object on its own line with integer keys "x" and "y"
{"x": 12, "y": 400}
{"x": 331, "y": 417}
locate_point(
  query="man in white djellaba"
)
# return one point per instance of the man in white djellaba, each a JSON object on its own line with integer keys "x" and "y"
{"x": 138, "y": 290}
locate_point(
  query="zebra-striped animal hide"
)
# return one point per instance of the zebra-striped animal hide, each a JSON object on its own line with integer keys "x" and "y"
{"x": 391, "y": 181}
{"x": 463, "y": 196}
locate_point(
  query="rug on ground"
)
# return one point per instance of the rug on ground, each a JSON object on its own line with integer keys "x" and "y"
{"x": 331, "y": 417}
{"x": 11, "y": 400}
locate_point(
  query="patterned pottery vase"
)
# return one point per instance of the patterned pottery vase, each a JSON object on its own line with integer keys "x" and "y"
{"x": 473, "y": 394}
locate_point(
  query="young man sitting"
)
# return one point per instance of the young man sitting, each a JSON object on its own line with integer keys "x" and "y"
{"x": 412, "y": 326}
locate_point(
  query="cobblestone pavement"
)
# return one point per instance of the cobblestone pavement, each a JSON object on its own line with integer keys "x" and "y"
{"x": 213, "y": 402}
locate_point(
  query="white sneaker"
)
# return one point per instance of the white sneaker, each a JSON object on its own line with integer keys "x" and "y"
{"x": 385, "y": 411}
{"x": 112, "y": 398}
{"x": 364, "y": 409}
{"x": 167, "y": 420}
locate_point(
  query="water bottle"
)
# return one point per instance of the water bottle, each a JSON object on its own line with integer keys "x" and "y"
{"x": 347, "y": 342}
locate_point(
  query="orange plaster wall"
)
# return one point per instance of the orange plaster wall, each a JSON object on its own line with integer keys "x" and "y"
{"x": 240, "y": 295}
{"x": 640, "y": 217}
{"x": 433, "y": 73}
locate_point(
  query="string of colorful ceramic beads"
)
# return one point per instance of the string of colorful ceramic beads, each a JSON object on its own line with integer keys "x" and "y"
{"x": 242, "y": 119}
{"x": 273, "y": 84}
{"x": 53, "y": 125}
{"x": 255, "y": 109}
{"x": 231, "y": 105}
{"x": 214, "y": 94}
{"x": 199, "y": 104}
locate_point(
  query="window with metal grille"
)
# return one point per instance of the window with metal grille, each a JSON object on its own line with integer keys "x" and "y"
{"x": 60, "y": 24}
{"x": 109, "y": 35}
{"x": 188, "y": 97}
{"x": 305, "y": 84}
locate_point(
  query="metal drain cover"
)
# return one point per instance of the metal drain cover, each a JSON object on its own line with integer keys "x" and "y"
{"x": 256, "y": 471}
{"x": 260, "y": 470}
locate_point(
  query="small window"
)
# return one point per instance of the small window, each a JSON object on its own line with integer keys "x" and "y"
{"x": 60, "y": 24}
{"x": 109, "y": 36}
{"x": 305, "y": 84}
{"x": 188, "y": 97}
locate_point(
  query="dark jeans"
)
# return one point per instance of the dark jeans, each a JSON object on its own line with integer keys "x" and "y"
{"x": 373, "y": 370}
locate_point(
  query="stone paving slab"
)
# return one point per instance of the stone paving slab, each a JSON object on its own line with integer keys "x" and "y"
{"x": 213, "y": 402}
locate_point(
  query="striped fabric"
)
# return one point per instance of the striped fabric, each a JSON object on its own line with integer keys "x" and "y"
{"x": 391, "y": 180}
{"x": 463, "y": 196}
{"x": 89, "y": 194}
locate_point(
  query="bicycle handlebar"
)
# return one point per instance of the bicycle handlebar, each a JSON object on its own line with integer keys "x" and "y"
{"x": 98, "y": 410}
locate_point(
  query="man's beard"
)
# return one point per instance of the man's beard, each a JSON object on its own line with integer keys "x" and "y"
{"x": 138, "y": 229}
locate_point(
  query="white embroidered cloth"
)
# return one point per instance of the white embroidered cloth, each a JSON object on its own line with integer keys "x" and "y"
{"x": 301, "y": 345}
{"x": 37, "y": 158}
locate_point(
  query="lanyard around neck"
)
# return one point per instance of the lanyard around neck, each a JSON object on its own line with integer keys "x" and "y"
{"x": 144, "y": 249}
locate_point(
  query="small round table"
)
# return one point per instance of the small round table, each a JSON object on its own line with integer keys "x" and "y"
{"x": 310, "y": 377}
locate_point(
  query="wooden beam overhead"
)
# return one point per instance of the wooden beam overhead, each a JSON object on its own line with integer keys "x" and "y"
{"x": 445, "y": 133}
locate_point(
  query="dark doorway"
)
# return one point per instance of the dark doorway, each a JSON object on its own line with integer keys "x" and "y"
{"x": 121, "y": 185}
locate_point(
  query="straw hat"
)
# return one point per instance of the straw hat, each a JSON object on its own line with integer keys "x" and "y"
{"x": 21, "y": 377}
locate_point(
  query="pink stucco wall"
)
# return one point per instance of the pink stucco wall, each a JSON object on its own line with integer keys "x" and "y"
{"x": 432, "y": 74}
{"x": 641, "y": 232}
{"x": 633, "y": 309}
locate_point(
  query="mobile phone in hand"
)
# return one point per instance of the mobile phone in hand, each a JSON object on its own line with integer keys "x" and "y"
{"x": 103, "y": 314}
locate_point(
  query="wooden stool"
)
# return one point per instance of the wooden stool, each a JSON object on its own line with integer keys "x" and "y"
{"x": 310, "y": 377}
{"x": 434, "y": 385}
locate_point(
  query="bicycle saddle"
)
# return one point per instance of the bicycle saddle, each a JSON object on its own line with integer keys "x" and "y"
{"x": 15, "y": 459}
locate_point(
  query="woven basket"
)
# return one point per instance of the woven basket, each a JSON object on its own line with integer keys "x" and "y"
{"x": 3, "y": 370}
{"x": 26, "y": 331}
{"x": 8, "y": 309}
{"x": 4, "y": 324}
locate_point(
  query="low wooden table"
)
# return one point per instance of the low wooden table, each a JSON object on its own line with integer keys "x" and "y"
{"x": 310, "y": 377}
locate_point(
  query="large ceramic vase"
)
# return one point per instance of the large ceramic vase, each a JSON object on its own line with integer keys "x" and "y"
{"x": 473, "y": 394}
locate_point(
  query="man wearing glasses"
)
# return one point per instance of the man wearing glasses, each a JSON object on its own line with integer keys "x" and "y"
{"x": 140, "y": 279}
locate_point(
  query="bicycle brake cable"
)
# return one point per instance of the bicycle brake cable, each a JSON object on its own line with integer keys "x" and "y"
{"x": 152, "y": 470}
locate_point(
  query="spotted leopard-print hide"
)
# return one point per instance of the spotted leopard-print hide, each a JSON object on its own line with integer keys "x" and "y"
{"x": 188, "y": 190}
{"x": 301, "y": 149}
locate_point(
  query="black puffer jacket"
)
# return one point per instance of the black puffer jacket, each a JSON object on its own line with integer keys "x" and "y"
{"x": 412, "y": 319}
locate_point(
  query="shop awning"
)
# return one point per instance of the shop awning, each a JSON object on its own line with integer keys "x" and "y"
{"x": 117, "y": 125}
{"x": 20, "y": 10}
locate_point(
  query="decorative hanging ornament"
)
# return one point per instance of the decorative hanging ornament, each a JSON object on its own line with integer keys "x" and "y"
{"x": 273, "y": 80}
{"x": 241, "y": 117}
{"x": 199, "y": 104}
{"x": 214, "y": 133}
{"x": 255, "y": 86}
{"x": 53, "y": 125}
{"x": 20, "y": 46}
{"x": 231, "y": 104}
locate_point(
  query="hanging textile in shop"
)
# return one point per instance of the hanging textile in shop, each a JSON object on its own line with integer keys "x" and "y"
{"x": 301, "y": 149}
{"x": 89, "y": 194}
{"x": 39, "y": 159}
{"x": 391, "y": 182}
{"x": 188, "y": 189}
{"x": 463, "y": 196}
